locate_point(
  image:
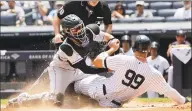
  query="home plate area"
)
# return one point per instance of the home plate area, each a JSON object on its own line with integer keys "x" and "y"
{"x": 132, "y": 106}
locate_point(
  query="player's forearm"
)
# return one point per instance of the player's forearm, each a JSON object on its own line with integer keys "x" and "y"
{"x": 111, "y": 41}
{"x": 98, "y": 61}
{"x": 175, "y": 96}
{"x": 108, "y": 37}
{"x": 56, "y": 25}
{"x": 110, "y": 51}
{"x": 108, "y": 28}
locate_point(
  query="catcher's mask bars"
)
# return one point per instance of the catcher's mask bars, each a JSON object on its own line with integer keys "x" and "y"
{"x": 74, "y": 28}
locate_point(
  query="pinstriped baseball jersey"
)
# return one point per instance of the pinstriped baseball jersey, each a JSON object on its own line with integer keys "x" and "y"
{"x": 130, "y": 74}
{"x": 131, "y": 78}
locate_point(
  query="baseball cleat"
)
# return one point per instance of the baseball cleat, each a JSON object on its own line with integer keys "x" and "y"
{"x": 187, "y": 100}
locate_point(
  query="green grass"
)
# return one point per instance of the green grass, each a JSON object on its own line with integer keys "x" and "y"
{"x": 4, "y": 101}
{"x": 164, "y": 100}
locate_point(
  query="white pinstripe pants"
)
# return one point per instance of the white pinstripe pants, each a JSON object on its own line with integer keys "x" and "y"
{"x": 60, "y": 78}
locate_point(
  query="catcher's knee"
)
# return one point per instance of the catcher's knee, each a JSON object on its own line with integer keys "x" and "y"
{"x": 59, "y": 99}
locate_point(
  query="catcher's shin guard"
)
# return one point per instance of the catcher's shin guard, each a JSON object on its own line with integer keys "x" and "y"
{"x": 59, "y": 99}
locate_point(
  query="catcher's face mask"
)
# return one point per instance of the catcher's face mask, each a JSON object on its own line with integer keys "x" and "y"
{"x": 78, "y": 35}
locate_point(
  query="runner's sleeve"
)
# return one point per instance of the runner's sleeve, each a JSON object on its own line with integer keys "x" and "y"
{"x": 114, "y": 62}
{"x": 158, "y": 84}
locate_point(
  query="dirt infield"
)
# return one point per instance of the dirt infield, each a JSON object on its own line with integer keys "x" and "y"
{"x": 132, "y": 106}
{"x": 75, "y": 102}
{"x": 104, "y": 109}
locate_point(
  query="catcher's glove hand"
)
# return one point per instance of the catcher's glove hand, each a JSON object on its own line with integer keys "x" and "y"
{"x": 96, "y": 48}
{"x": 54, "y": 44}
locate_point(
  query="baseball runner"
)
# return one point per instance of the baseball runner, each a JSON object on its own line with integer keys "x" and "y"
{"x": 68, "y": 64}
{"x": 159, "y": 63}
{"x": 132, "y": 77}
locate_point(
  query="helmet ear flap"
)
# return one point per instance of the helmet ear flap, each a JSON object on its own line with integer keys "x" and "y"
{"x": 64, "y": 32}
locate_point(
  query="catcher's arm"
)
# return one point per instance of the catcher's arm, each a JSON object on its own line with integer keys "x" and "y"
{"x": 99, "y": 35}
{"x": 88, "y": 69}
{"x": 99, "y": 60}
{"x": 110, "y": 39}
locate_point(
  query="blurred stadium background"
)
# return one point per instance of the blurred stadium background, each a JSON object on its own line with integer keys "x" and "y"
{"x": 26, "y": 49}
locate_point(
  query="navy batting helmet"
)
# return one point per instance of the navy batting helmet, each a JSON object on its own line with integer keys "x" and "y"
{"x": 155, "y": 45}
{"x": 142, "y": 43}
{"x": 126, "y": 38}
{"x": 181, "y": 33}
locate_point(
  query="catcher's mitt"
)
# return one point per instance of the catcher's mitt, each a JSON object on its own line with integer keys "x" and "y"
{"x": 96, "y": 48}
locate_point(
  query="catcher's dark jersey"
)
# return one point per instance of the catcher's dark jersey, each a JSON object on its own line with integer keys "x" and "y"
{"x": 71, "y": 56}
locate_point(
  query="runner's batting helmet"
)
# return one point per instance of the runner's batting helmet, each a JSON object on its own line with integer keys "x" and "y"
{"x": 142, "y": 43}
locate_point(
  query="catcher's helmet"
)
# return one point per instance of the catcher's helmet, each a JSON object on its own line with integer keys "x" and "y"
{"x": 181, "y": 33}
{"x": 73, "y": 28}
{"x": 142, "y": 43}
